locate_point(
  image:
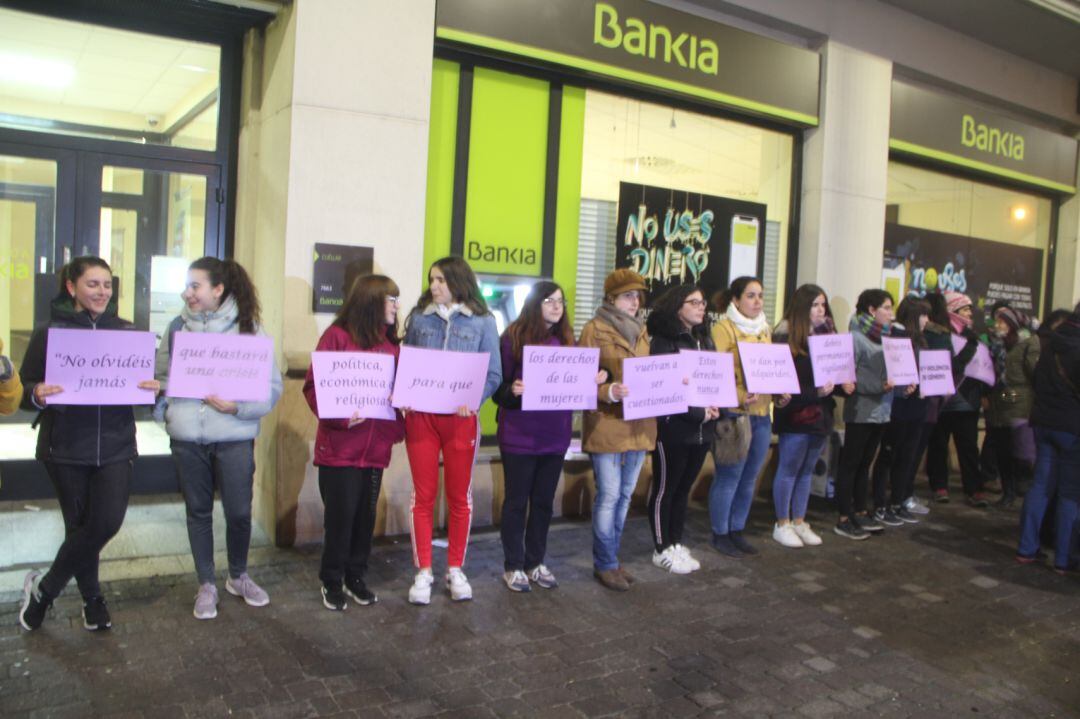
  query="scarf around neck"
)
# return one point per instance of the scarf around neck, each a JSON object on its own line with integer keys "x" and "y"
{"x": 629, "y": 327}
{"x": 828, "y": 327}
{"x": 223, "y": 319}
{"x": 959, "y": 323}
{"x": 866, "y": 324}
{"x": 746, "y": 325}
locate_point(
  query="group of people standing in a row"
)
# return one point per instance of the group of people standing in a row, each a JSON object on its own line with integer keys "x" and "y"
{"x": 89, "y": 451}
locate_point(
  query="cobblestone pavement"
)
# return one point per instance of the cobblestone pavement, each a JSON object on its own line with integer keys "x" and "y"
{"x": 928, "y": 620}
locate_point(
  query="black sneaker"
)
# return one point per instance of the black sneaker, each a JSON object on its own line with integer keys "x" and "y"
{"x": 904, "y": 515}
{"x": 885, "y": 516}
{"x": 851, "y": 530}
{"x": 333, "y": 598}
{"x": 741, "y": 544}
{"x": 95, "y": 614}
{"x": 723, "y": 544}
{"x": 359, "y": 592}
{"x": 868, "y": 523}
{"x": 35, "y": 602}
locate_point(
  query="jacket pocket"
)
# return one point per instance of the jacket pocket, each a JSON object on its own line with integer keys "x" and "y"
{"x": 464, "y": 338}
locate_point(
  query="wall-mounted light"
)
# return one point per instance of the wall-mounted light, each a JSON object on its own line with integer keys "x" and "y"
{"x": 1019, "y": 213}
{"x": 27, "y": 70}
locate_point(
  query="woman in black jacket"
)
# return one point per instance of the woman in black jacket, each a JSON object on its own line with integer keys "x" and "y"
{"x": 88, "y": 450}
{"x": 678, "y": 321}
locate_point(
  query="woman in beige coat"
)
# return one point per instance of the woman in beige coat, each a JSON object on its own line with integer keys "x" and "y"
{"x": 617, "y": 446}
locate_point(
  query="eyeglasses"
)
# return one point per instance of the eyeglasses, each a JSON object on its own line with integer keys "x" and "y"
{"x": 631, "y": 295}
{"x": 695, "y": 303}
{"x": 393, "y": 300}
{"x": 554, "y": 302}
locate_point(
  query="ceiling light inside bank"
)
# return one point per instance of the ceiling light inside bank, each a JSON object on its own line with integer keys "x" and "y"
{"x": 42, "y": 72}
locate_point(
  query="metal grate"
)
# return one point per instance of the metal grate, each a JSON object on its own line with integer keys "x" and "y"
{"x": 596, "y": 257}
{"x": 771, "y": 271}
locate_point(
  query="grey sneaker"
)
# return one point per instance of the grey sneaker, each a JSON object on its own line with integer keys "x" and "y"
{"x": 543, "y": 577}
{"x": 246, "y": 588}
{"x": 914, "y": 506}
{"x": 35, "y": 604}
{"x": 516, "y": 581}
{"x": 206, "y": 602}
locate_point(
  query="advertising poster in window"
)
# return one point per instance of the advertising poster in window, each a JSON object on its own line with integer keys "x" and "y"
{"x": 673, "y": 237}
{"x": 918, "y": 261}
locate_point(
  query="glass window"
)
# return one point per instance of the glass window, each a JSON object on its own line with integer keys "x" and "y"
{"x": 74, "y": 78}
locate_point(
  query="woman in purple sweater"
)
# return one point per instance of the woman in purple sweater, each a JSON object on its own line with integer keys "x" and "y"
{"x": 532, "y": 444}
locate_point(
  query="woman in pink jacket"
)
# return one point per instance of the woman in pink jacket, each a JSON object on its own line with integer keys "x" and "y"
{"x": 351, "y": 454}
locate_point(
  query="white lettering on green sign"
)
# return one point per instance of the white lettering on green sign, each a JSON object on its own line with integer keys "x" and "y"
{"x": 645, "y": 39}
{"x": 991, "y": 139}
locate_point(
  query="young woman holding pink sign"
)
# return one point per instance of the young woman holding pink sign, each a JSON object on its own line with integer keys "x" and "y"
{"x": 351, "y": 454}
{"x": 451, "y": 315}
{"x": 88, "y": 450}
{"x": 213, "y": 439}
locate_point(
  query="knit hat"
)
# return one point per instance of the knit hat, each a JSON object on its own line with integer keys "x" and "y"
{"x": 1014, "y": 318}
{"x": 956, "y": 301}
{"x": 623, "y": 280}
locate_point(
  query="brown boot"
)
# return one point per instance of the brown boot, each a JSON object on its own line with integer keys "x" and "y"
{"x": 611, "y": 579}
{"x": 630, "y": 578}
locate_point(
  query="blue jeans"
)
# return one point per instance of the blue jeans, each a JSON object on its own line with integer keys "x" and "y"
{"x": 798, "y": 453}
{"x": 1057, "y": 457}
{"x": 616, "y": 476}
{"x": 732, "y": 490}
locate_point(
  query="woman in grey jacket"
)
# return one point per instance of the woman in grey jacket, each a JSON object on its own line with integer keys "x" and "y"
{"x": 213, "y": 439}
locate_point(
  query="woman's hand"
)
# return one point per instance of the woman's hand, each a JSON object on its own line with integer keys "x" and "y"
{"x": 826, "y": 390}
{"x": 620, "y": 391}
{"x": 601, "y": 377}
{"x": 888, "y": 386}
{"x": 355, "y": 420}
{"x": 464, "y": 411}
{"x": 910, "y": 389}
{"x": 518, "y": 388}
{"x": 42, "y": 390}
{"x": 751, "y": 397}
{"x": 221, "y": 405}
{"x": 151, "y": 384}
{"x": 848, "y": 387}
{"x": 782, "y": 400}
{"x": 712, "y": 413}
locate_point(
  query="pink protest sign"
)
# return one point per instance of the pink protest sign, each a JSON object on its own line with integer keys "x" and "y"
{"x": 768, "y": 368}
{"x": 900, "y": 365}
{"x": 353, "y": 382}
{"x": 981, "y": 366}
{"x": 712, "y": 378}
{"x": 233, "y": 367}
{"x": 833, "y": 359}
{"x": 656, "y": 386}
{"x": 559, "y": 377}
{"x": 935, "y": 373}
{"x": 100, "y": 366}
{"x": 439, "y": 381}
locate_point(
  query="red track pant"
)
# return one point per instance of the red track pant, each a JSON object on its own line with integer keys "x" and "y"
{"x": 457, "y": 438}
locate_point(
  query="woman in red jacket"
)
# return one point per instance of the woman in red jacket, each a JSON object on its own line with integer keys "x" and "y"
{"x": 351, "y": 454}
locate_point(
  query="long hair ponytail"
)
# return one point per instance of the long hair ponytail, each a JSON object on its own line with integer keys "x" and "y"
{"x": 238, "y": 285}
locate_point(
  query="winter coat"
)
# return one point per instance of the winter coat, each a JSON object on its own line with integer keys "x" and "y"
{"x": 192, "y": 420}
{"x": 1057, "y": 381}
{"x": 1014, "y": 396}
{"x": 367, "y": 444}
{"x": 806, "y": 412}
{"x": 463, "y": 332}
{"x": 604, "y": 430}
{"x": 10, "y": 385}
{"x": 689, "y": 427}
{"x": 726, "y": 336}
{"x": 870, "y": 404}
{"x": 532, "y": 432}
{"x": 94, "y": 435}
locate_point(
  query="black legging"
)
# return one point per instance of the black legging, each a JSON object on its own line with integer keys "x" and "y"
{"x": 350, "y": 498}
{"x": 675, "y": 467}
{"x": 963, "y": 427}
{"x": 861, "y": 441}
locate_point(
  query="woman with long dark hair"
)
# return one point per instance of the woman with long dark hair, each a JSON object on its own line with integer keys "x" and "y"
{"x": 213, "y": 439}
{"x": 352, "y": 453}
{"x": 532, "y": 443}
{"x": 678, "y": 321}
{"x": 451, "y": 315}
{"x": 804, "y": 422}
{"x": 88, "y": 451}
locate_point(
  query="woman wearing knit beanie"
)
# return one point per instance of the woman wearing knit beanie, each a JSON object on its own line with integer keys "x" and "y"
{"x": 959, "y": 418}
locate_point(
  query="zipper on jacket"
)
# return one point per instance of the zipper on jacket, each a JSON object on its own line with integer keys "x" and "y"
{"x": 93, "y": 326}
{"x": 446, "y": 337}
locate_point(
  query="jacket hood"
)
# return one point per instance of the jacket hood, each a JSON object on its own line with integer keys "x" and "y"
{"x": 62, "y": 309}
{"x": 1066, "y": 338}
{"x": 670, "y": 328}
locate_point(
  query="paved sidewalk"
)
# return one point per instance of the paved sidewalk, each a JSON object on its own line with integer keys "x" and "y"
{"x": 925, "y": 621}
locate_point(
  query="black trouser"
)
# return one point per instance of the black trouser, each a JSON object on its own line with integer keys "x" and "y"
{"x": 529, "y": 492}
{"x": 920, "y": 452}
{"x": 861, "y": 441}
{"x": 93, "y": 501}
{"x": 963, "y": 427}
{"x": 1000, "y": 439}
{"x": 894, "y": 470}
{"x": 675, "y": 467}
{"x": 350, "y": 498}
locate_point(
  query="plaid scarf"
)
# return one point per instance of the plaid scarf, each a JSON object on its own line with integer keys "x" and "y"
{"x": 865, "y": 324}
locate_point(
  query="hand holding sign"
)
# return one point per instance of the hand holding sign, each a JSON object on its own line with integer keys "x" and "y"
{"x": 712, "y": 378}
{"x": 900, "y": 365}
{"x": 353, "y": 385}
{"x": 559, "y": 377}
{"x": 440, "y": 382}
{"x": 655, "y": 387}
{"x": 227, "y": 367}
{"x": 98, "y": 367}
{"x": 935, "y": 373}
{"x": 768, "y": 368}
{"x": 981, "y": 366}
{"x": 833, "y": 359}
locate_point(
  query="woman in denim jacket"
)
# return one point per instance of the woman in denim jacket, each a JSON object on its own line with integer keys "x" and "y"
{"x": 450, "y": 315}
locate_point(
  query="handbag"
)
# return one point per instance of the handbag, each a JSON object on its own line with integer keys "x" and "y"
{"x": 732, "y": 441}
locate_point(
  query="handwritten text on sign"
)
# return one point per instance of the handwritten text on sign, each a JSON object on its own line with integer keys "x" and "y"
{"x": 712, "y": 378}
{"x": 768, "y": 368}
{"x": 559, "y": 377}
{"x": 981, "y": 366}
{"x": 900, "y": 366}
{"x": 656, "y": 386}
{"x": 439, "y": 381}
{"x": 233, "y": 367}
{"x": 935, "y": 373}
{"x": 100, "y": 366}
{"x": 833, "y": 359}
{"x": 353, "y": 382}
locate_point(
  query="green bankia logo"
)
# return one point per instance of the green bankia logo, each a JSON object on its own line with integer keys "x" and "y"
{"x": 991, "y": 139}
{"x": 637, "y": 37}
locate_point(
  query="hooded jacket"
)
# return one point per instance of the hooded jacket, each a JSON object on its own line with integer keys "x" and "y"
{"x": 94, "y": 435}
{"x": 1057, "y": 381}
{"x": 668, "y": 337}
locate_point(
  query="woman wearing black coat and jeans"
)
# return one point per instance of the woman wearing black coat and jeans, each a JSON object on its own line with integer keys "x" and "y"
{"x": 88, "y": 451}
{"x": 678, "y": 321}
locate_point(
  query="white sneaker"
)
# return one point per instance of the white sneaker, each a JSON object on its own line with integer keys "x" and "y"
{"x": 420, "y": 591}
{"x": 807, "y": 535}
{"x": 786, "y": 536}
{"x": 688, "y": 559}
{"x": 670, "y": 561}
{"x": 915, "y": 506}
{"x": 458, "y": 585}
{"x": 516, "y": 581}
